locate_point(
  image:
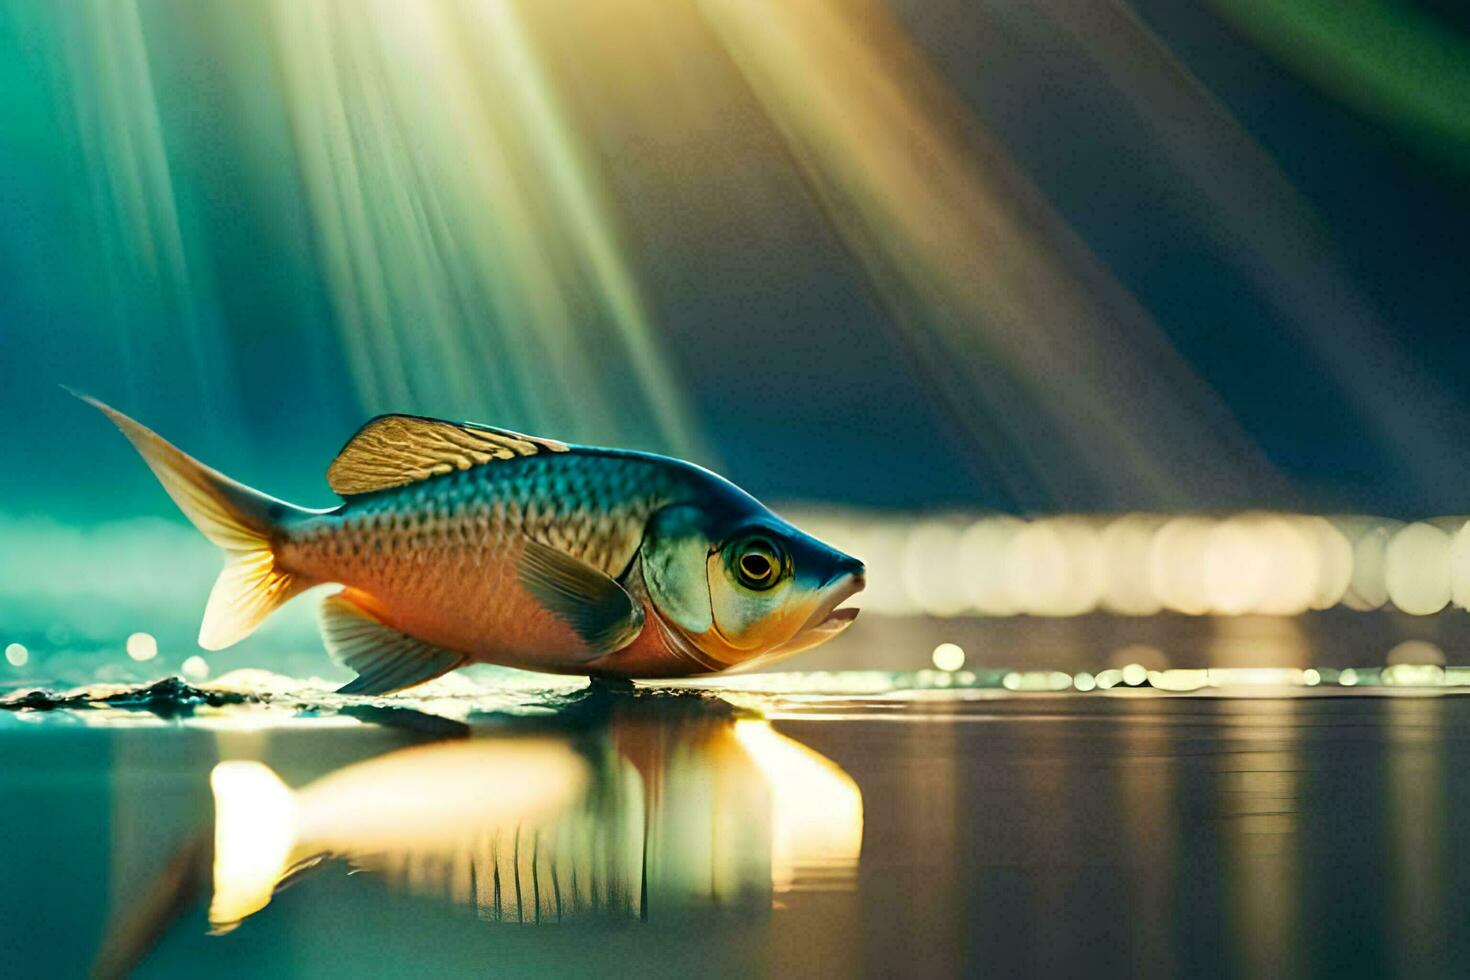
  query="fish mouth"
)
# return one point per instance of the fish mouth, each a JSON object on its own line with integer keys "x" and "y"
{"x": 832, "y": 617}
{"x": 835, "y": 622}
{"x": 825, "y": 623}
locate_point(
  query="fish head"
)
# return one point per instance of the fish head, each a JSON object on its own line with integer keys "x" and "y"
{"x": 744, "y": 586}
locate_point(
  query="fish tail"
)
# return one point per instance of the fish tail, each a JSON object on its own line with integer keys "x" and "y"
{"x": 139, "y": 924}
{"x": 254, "y": 839}
{"x": 244, "y": 522}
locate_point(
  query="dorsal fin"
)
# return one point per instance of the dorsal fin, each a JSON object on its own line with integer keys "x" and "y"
{"x": 395, "y": 450}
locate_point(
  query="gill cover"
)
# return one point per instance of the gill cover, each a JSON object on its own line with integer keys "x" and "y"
{"x": 675, "y": 549}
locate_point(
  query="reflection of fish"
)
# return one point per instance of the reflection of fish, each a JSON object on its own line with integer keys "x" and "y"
{"x": 631, "y": 808}
{"x": 412, "y": 809}
{"x": 462, "y": 543}
{"x": 706, "y": 810}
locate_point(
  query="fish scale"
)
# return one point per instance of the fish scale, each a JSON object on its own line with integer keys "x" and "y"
{"x": 590, "y": 506}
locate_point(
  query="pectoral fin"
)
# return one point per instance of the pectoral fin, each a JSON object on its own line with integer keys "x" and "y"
{"x": 385, "y": 659}
{"x": 600, "y": 610}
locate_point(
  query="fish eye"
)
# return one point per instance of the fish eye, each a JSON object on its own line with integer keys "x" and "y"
{"x": 758, "y": 563}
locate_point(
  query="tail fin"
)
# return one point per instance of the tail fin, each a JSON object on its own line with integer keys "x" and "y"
{"x": 254, "y": 837}
{"x": 145, "y": 916}
{"x": 240, "y": 520}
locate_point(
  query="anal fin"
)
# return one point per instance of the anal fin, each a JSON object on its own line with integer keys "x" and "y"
{"x": 385, "y": 659}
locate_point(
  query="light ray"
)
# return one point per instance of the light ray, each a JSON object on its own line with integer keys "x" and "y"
{"x": 1024, "y": 333}
{"x": 471, "y": 257}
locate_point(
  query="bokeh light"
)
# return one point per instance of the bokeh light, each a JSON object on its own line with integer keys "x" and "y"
{"x": 1417, "y": 569}
{"x": 984, "y": 549}
{"x": 1251, "y": 563}
{"x": 948, "y": 656}
{"x": 142, "y": 646}
{"x": 1416, "y": 653}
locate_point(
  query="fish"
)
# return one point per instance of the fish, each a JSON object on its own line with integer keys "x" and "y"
{"x": 460, "y": 543}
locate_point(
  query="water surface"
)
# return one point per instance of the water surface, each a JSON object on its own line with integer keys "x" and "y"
{"x": 910, "y": 831}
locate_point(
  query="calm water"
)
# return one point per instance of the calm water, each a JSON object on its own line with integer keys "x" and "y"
{"x": 907, "y": 833}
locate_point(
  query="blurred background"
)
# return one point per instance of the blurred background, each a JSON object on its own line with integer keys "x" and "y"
{"x": 1110, "y": 334}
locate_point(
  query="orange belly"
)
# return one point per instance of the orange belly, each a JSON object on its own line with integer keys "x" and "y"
{"x": 654, "y": 652}
{"x": 460, "y": 597}
{"x": 461, "y": 591}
